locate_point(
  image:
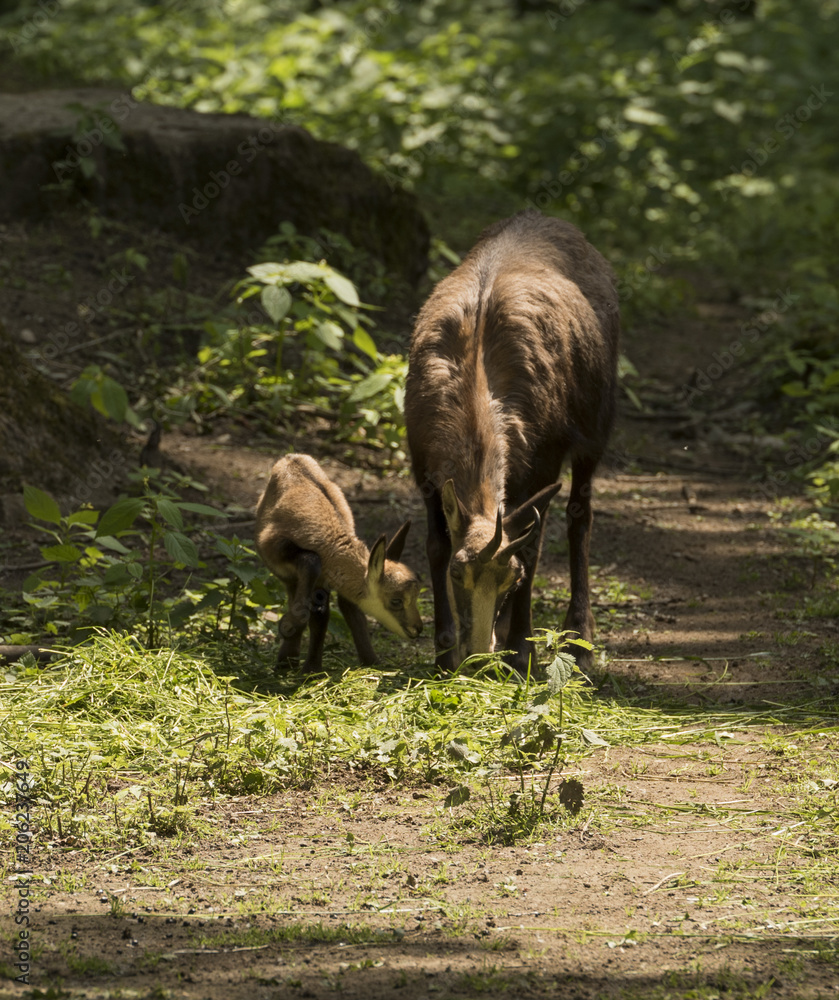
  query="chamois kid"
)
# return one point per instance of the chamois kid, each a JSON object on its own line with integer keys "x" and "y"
{"x": 513, "y": 368}
{"x": 305, "y": 534}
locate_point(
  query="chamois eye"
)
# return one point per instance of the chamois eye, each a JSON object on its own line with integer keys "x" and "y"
{"x": 395, "y": 603}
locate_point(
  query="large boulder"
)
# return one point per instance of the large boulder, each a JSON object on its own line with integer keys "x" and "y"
{"x": 222, "y": 180}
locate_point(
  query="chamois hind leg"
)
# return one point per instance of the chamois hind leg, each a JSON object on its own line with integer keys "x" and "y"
{"x": 578, "y": 518}
{"x": 300, "y": 595}
{"x": 357, "y": 622}
{"x": 318, "y": 624}
{"x": 438, "y": 548}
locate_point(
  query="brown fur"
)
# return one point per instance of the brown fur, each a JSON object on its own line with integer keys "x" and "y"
{"x": 513, "y": 368}
{"x": 305, "y": 534}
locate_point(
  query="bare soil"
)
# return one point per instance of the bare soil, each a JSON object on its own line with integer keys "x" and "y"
{"x": 699, "y": 599}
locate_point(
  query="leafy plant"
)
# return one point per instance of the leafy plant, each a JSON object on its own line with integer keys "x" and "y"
{"x": 366, "y": 272}
{"x": 93, "y": 127}
{"x": 104, "y": 394}
{"x": 308, "y": 344}
{"x": 532, "y": 742}
{"x": 100, "y": 580}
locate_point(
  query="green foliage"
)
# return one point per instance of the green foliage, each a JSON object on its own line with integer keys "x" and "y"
{"x": 104, "y": 394}
{"x": 88, "y": 124}
{"x": 656, "y": 124}
{"x": 677, "y": 137}
{"x": 308, "y": 343}
{"x": 530, "y": 746}
{"x": 119, "y": 568}
{"x": 362, "y": 268}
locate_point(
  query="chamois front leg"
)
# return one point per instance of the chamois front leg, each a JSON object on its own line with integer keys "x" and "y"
{"x": 438, "y": 548}
{"x": 357, "y": 622}
{"x": 300, "y": 603}
{"x": 516, "y": 621}
{"x": 578, "y": 519}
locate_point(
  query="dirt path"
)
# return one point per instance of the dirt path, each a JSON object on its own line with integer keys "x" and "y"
{"x": 693, "y": 876}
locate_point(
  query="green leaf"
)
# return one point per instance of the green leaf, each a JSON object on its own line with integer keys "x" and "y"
{"x": 730, "y": 57}
{"x": 170, "y": 513}
{"x": 89, "y": 517}
{"x": 329, "y": 334}
{"x": 268, "y": 273}
{"x": 112, "y": 544}
{"x": 369, "y": 386}
{"x": 590, "y": 737}
{"x": 202, "y": 508}
{"x": 87, "y": 165}
{"x": 61, "y": 553}
{"x": 458, "y": 750}
{"x": 559, "y": 671}
{"x": 117, "y": 575}
{"x": 304, "y": 272}
{"x": 114, "y": 399}
{"x": 120, "y": 516}
{"x": 794, "y": 389}
{"x": 260, "y": 593}
{"x": 732, "y": 111}
{"x": 276, "y": 301}
{"x": 100, "y": 613}
{"x": 181, "y": 548}
{"x": 343, "y": 288}
{"x": 571, "y": 794}
{"x": 41, "y": 505}
{"x": 246, "y": 573}
{"x": 364, "y": 342}
{"x": 457, "y": 796}
{"x": 643, "y": 116}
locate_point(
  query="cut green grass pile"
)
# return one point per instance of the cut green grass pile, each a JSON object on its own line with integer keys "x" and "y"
{"x": 144, "y": 734}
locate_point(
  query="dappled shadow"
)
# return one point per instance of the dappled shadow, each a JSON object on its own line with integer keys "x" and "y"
{"x": 374, "y": 957}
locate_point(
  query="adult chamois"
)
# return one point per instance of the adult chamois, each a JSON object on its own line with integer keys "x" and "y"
{"x": 305, "y": 534}
{"x": 513, "y": 368}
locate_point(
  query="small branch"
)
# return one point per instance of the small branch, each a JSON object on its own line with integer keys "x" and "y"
{"x": 662, "y": 881}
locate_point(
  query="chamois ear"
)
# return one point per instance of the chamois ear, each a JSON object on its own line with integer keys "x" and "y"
{"x": 376, "y": 563}
{"x": 454, "y": 510}
{"x": 518, "y": 521}
{"x": 397, "y": 543}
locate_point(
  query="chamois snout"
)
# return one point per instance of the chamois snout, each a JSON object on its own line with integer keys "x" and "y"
{"x": 486, "y": 565}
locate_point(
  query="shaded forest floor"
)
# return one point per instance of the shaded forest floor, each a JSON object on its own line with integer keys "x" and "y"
{"x": 706, "y": 871}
